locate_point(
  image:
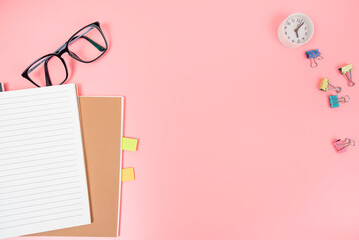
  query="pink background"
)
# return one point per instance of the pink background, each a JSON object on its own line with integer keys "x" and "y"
{"x": 235, "y": 137}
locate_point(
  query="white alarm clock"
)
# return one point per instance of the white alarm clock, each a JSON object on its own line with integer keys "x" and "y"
{"x": 296, "y": 30}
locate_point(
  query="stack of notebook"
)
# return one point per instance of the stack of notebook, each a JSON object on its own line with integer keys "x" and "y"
{"x": 60, "y": 163}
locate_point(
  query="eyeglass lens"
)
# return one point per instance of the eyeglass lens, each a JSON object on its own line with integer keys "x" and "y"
{"x": 87, "y": 45}
{"x": 53, "y": 66}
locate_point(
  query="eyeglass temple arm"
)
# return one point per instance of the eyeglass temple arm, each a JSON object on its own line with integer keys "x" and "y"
{"x": 96, "y": 45}
{"x": 47, "y": 75}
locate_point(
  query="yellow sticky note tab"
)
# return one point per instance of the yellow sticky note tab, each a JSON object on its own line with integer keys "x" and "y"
{"x": 346, "y": 68}
{"x": 127, "y": 174}
{"x": 129, "y": 144}
{"x": 324, "y": 84}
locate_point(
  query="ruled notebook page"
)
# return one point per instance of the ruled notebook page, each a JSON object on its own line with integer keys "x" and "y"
{"x": 42, "y": 171}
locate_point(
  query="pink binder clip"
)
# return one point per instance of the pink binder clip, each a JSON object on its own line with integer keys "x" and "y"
{"x": 341, "y": 145}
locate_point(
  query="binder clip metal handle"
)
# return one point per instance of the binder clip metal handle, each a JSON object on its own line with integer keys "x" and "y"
{"x": 337, "y": 89}
{"x": 350, "y": 79}
{"x": 344, "y": 99}
{"x": 313, "y": 63}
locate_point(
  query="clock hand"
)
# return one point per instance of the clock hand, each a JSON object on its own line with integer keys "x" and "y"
{"x": 300, "y": 26}
{"x": 296, "y": 30}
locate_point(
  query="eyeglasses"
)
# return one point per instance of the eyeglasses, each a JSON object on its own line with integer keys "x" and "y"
{"x": 86, "y": 45}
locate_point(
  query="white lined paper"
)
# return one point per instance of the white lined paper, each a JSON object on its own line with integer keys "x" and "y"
{"x": 42, "y": 171}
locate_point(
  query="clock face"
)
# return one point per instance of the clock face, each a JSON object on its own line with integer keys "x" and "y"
{"x": 297, "y": 29}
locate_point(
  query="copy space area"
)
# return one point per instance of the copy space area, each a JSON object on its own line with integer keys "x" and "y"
{"x": 235, "y": 137}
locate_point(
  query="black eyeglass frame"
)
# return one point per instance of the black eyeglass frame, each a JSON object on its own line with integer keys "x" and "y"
{"x": 65, "y": 49}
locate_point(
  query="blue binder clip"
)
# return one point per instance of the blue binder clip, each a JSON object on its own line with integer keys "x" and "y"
{"x": 334, "y": 100}
{"x": 313, "y": 55}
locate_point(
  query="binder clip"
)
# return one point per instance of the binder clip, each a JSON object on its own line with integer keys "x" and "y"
{"x": 313, "y": 55}
{"x": 335, "y": 100}
{"x": 341, "y": 145}
{"x": 347, "y": 71}
{"x": 325, "y": 86}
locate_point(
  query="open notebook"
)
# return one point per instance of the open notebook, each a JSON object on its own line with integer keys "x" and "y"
{"x": 102, "y": 121}
{"x": 43, "y": 183}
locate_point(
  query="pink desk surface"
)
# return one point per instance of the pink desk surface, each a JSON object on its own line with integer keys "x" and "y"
{"x": 235, "y": 137}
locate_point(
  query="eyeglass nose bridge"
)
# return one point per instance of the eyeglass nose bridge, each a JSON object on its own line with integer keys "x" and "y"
{"x": 60, "y": 52}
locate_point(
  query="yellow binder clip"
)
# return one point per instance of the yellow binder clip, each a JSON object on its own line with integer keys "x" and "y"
{"x": 347, "y": 71}
{"x": 325, "y": 86}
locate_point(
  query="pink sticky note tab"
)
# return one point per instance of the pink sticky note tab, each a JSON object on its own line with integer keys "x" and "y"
{"x": 340, "y": 146}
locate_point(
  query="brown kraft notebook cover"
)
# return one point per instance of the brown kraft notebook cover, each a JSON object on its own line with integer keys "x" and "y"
{"x": 102, "y": 121}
